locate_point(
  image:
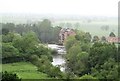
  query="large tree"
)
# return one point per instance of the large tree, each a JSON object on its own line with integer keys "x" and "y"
{"x": 100, "y": 52}
{"x": 112, "y": 34}
{"x": 95, "y": 39}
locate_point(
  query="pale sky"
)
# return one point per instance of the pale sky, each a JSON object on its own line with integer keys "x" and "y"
{"x": 78, "y": 7}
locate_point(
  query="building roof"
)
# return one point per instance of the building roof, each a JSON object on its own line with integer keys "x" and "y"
{"x": 113, "y": 39}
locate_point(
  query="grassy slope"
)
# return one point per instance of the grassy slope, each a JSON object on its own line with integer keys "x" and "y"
{"x": 24, "y": 70}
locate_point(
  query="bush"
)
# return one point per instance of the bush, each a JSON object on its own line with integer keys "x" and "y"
{"x": 53, "y": 52}
{"x": 88, "y": 78}
{"x": 9, "y": 77}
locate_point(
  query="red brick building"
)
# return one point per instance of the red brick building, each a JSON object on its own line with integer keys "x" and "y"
{"x": 113, "y": 39}
{"x": 64, "y": 33}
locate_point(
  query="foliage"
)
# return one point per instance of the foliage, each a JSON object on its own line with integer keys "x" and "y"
{"x": 8, "y": 38}
{"x": 98, "y": 59}
{"x": 80, "y": 35}
{"x": 77, "y": 60}
{"x": 118, "y": 53}
{"x": 112, "y": 34}
{"x": 81, "y": 63}
{"x": 70, "y": 42}
{"x": 33, "y": 58}
{"x": 95, "y": 39}
{"x": 46, "y": 33}
{"x": 28, "y": 44}
{"x": 5, "y": 31}
{"x": 103, "y": 39}
{"x": 105, "y": 27}
{"x": 103, "y": 61}
{"x": 109, "y": 70}
{"x": 85, "y": 46}
{"x": 8, "y": 50}
{"x": 77, "y": 48}
{"x": 88, "y": 78}
{"x": 100, "y": 52}
{"x": 87, "y": 37}
{"x": 9, "y": 77}
{"x": 44, "y": 30}
{"x": 83, "y": 36}
{"x": 45, "y": 66}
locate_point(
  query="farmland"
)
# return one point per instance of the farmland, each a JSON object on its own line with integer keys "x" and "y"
{"x": 91, "y": 25}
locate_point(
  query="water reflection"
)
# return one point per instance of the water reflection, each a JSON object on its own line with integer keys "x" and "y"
{"x": 58, "y": 59}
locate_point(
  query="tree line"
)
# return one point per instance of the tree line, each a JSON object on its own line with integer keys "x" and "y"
{"x": 44, "y": 30}
{"x": 95, "y": 59}
{"x": 27, "y": 46}
{"x": 86, "y": 58}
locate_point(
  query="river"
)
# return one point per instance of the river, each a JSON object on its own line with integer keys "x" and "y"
{"x": 58, "y": 59}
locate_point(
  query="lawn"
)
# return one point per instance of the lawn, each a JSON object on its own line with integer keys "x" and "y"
{"x": 24, "y": 70}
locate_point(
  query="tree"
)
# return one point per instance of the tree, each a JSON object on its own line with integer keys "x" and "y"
{"x": 105, "y": 27}
{"x": 55, "y": 72}
{"x": 85, "y": 46}
{"x": 112, "y": 34}
{"x": 110, "y": 69}
{"x": 33, "y": 59}
{"x": 100, "y": 52}
{"x": 8, "y": 27}
{"x": 20, "y": 29}
{"x": 87, "y": 37}
{"x": 5, "y": 31}
{"x": 69, "y": 42}
{"x": 8, "y": 50}
{"x": 45, "y": 66}
{"x": 9, "y": 77}
{"x": 72, "y": 56}
{"x": 27, "y": 43}
{"x": 8, "y": 38}
{"x": 103, "y": 39}
{"x": 95, "y": 39}
{"x": 45, "y": 28}
{"x": 118, "y": 54}
{"x": 77, "y": 61}
{"x": 80, "y": 35}
{"x": 83, "y": 36}
{"x": 81, "y": 64}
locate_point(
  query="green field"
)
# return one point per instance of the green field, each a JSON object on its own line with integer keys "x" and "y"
{"x": 94, "y": 27}
{"x": 24, "y": 70}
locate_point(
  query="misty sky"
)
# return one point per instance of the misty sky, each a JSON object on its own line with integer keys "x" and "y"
{"x": 75, "y": 7}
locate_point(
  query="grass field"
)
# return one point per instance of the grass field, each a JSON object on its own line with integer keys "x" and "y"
{"x": 24, "y": 70}
{"x": 94, "y": 27}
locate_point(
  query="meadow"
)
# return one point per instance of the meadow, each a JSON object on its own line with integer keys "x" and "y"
{"x": 24, "y": 70}
{"x": 92, "y": 25}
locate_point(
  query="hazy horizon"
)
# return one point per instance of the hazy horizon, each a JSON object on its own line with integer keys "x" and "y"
{"x": 105, "y": 8}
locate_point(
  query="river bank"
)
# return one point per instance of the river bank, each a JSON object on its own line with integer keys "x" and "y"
{"x": 58, "y": 59}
